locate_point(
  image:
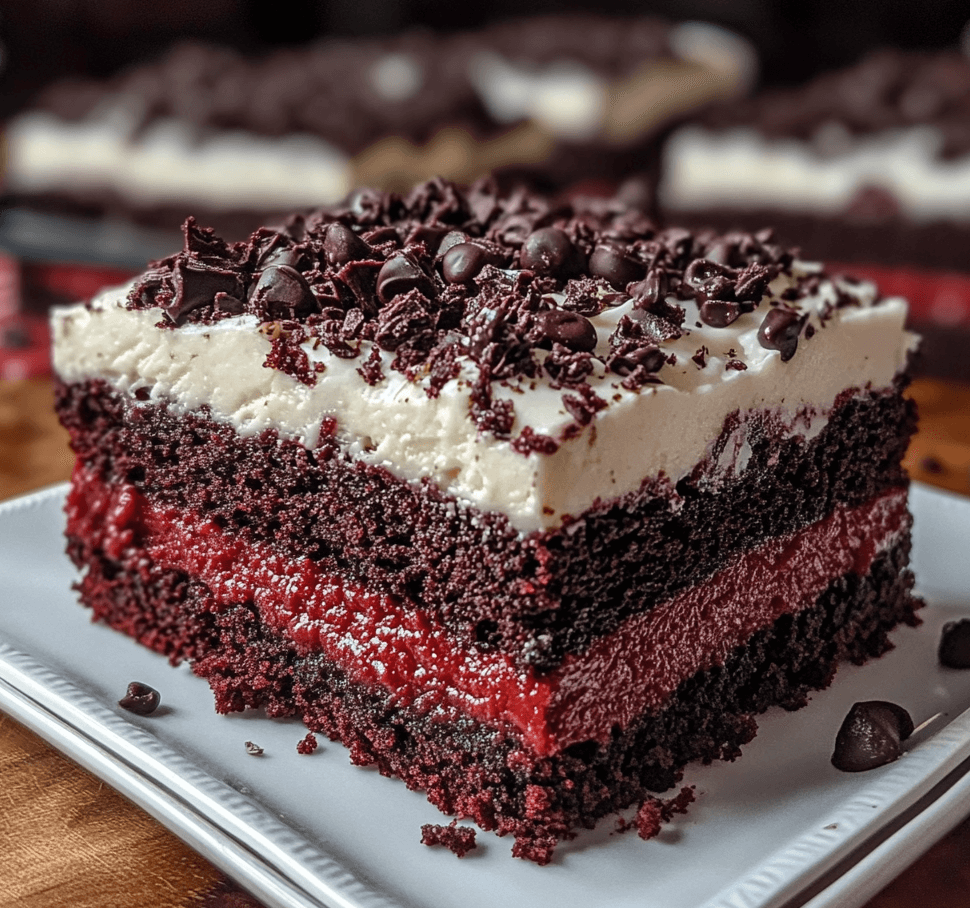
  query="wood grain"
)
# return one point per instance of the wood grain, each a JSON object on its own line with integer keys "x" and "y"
{"x": 68, "y": 839}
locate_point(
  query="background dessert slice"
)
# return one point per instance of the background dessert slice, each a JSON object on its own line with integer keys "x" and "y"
{"x": 211, "y": 132}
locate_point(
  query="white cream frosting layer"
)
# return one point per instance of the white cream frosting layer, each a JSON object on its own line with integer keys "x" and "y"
{"x": 741, "y": 169}
{"x": 660, "y": 430}
{"x": 170, "y": 163}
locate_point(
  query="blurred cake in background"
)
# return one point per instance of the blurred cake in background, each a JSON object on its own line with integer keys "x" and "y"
{"x": 868, "y": 166}
{"x": 235, "y": 140}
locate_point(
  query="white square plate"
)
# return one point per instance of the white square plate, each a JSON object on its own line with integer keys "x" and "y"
{"x": 780, "y": 827}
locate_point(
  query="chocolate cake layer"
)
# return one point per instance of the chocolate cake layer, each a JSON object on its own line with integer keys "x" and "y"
{"x": 537, "y": 596}
{"x": 481, "y": 772}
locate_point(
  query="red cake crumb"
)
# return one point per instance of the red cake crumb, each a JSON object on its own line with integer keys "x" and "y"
{"x": 308, "y": 745}
{"x": 457, "y": 839}
{"x": 654, "y": 812}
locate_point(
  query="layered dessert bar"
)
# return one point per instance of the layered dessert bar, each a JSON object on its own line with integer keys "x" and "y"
{"x": 526, "y": 504}
{"x": 866, "y": 164}
{"x": 238, "y": 140}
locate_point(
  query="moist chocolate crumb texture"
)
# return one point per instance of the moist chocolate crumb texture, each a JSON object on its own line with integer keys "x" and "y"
{"x": 206, "y": 130}
{"x": 867, "y": 164}
{"x": 528, "y": 505}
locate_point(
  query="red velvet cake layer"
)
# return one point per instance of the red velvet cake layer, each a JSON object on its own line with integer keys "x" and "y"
{"x": 378, "y": 641}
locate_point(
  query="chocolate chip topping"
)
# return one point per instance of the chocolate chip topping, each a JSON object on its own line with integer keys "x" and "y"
{"x": 954, "y": 649}
{"x": 462, "y": 262}
{"x": 444, "y": 276}
{"x": 570, "y": 329}
{"x": 871, "y": 735}
{"x": 547, "y": 252}
{"x": 283, "y": 292}
{"x": 611, "y": 262}
{"x": 341, "y": 245}
{"x": 719, "y": 313}
{"x": 779, "y": 331}
{"x": 399, "y": 274}
{"x": 140, "y": 699}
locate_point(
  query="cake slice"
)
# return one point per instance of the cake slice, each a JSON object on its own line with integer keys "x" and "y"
{"x": 237, "y": 138}
{"x": 528, "y": 505}
{"x": 870, "y": 163}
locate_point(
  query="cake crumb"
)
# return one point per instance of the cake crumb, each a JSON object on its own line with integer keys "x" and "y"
{"x": 654, "y": 813}
{"x": 254, "y": 750}
{"x": 457, "y": 839}
{"x": 308, "y": 745}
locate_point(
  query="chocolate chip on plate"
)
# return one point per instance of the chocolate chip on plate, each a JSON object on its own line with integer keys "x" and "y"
{"x": 954, "y": 649}
{"x": 140, "y": 699}
{"x": 871, "y": 735}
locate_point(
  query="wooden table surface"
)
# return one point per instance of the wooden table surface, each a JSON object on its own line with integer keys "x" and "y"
{"x": 66, "y": 839}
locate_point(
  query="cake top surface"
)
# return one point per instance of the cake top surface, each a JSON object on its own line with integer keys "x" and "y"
{"x": 888, "y": 89}
{"x": 509, "y": 282}
{"x": 354, "y": 91}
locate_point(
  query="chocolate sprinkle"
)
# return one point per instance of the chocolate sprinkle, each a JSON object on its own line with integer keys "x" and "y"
{"x": 871, "y": 735}
{"x": 140, "y": 699}
{"x": 954, "y": 651}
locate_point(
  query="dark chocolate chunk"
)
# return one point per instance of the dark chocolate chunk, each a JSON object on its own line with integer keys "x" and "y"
{"x": 649, "y": 357}
{"x": 611, "y": 262}
{"x": 196, "y": 286}
{"x": 546, "y": 251}
{"x": 254, "y": 750}
{"x": 399, "y": 274}
{"x": 427, "y": 235}
{"x": 281, "y": 255}
{"x": 283, "y": 293}
{"x": 704, "y": 275}
{"x": 572, "y": 330}
{"x": 954, "y": 649}
{"x": 140, "y": 699}
{"x": 462, "y": 262}
{"x": 779, "y": 331}
{"x": 719, "y": 313}
{"x": 871, "y": 736}
{"x": 342, "y": 245}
